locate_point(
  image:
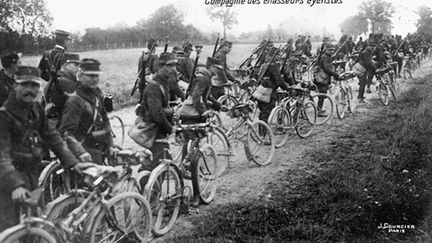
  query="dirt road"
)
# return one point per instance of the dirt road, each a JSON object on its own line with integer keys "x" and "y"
{"x": 245, "y": 180}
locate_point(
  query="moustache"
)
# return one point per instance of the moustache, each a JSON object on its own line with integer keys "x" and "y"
{"x": 30, "y": 94}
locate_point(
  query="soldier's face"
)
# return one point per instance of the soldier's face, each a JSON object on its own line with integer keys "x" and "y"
{"x": 89, "y": 80}
{"x": 26, "y": 92}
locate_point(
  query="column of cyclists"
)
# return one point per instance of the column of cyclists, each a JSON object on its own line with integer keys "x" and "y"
{"x": 110, "y": 203}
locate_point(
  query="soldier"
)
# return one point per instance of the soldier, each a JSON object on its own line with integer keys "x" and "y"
{"x": 360, "y": 44}
{"x": 84, "y": 117}
{"x": 24, "y": 131}
{"x": 365, "y": 59}
{"x": 223, "y": 76}
{"x": 53, "y": 59}
{"x": 10, "y": 62}
{"x": 271, "y": 79}
{"x": 325, "y": 63}
{"x": 154, "y": 107}
{"x": 148, "y": 65}
{"x": 185, "y": 65}
{"x": 170, "y": 78}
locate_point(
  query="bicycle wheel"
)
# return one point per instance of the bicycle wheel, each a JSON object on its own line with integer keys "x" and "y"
{"x": 126, "y": 217}
{"x": 60, "y": 208}
{"x": 117, "y": 130}
{"x": 260, "y": 143}
{"x": 164, "y": 193}
{"x": 326, "y": 112}
{"x": 383, "y": 93}
{"x": 280, "y": 123}
{"x": 392, "y": 87}
{"x": 305, "y": 119}
{"x": 203, "y": 170}
{"x": 53, "y": 180}
{"x": 219, "y": 142}
{"x": 26, "y": 234}
{"x": 228, "y": 101}
{"x": 342, "y": 102}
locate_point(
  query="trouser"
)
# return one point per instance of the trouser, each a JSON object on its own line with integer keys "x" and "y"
{"x": 265, "y": 109}
{"x": 322, "y": 88}
{"x": 158, "y": 151}
{"x": 217, "y": 92}
{"x": 362, "y": 84}
{"x": 369, "y": 76}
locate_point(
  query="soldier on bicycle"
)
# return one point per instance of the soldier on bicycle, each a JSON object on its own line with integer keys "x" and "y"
{"x": 24, "y": 132}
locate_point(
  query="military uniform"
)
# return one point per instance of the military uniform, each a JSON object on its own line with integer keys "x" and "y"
{"x": 148, "y": 64}
{"x": 326, "y": 64}
{"x": 24, "y": 132}
{"x": 223, "y": 76}
{"x": 85, "y": 119}
{"x": 365, "y": 59}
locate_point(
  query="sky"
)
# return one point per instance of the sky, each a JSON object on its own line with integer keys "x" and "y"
{"x": 76, "y": 15}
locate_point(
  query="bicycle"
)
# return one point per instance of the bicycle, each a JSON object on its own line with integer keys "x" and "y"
{"x": 117, "y": 129}
{"x": 258, "y": 135}
{"x": 280, "y": 120}
{"x": 302, "y": 110}
{"x": 100, "y": 216}
{"x": 327, "y": 109}
{"x": 29, "y": 229}
{"x": 343, "y": 94}
{"x": 166, "y": 188}
{"x": 386, "y": 84}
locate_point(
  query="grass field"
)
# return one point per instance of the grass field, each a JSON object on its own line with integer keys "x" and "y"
{"x": 120, "y": 67}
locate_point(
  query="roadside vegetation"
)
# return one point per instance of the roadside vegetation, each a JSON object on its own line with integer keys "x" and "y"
{"x": 379, "y": 172}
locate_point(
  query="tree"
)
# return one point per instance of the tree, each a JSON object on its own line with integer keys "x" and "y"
{"x": 167, "y": 21}
{"x": 424, "y": 23}
{"x": 378, "y": 13}
{"x": 354, "y": 26}
{"x": 29, "y": 17}
{"x": 225, "y": 15}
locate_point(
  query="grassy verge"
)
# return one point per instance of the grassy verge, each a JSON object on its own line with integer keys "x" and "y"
{"x": 378, "y": 172}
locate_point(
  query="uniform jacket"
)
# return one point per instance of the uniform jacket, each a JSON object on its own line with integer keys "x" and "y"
{"x": 275, "y": 79}
{"x": 365, "y": 59}
{"x": 201, "y": 91}
{"x": 151, "y": 65}
{"x": 50, "y": 59}
{"x": 6, "y": 86}
{"x": 155, "y": 100}
{"x": 20, "y": 154}
{"x": 185, "y": 68}
{"x": 326, "y": 64}
{"x": 78, "y": 117}
{"x": 223, "y": 76}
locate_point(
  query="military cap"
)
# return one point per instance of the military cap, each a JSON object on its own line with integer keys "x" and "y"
{"x": 71, "y": 57}
{"x": 26, "y": 74}
{"x": 9, "y": 59}
{"x": 62, "y": 33}
{"x": 167, "y": 59}
{"x": 187, "y": 46}
{"x": 226, "y": 43}
{"x": 89, "y": 66}
{"x": 151, "y": 42}
{"x": 330, "y": 46}
{"x": 213, "y": 62}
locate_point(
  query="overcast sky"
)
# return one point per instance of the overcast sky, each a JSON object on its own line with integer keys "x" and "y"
{"x": 76, "y": 15}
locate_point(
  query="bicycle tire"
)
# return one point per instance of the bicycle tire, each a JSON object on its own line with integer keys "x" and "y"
{"x": 17, "y": 232}
{"x": 60, "y": 208}
{"x": 155, "y": 191}
{"x": 383, "y": 93}
{"x": 54, "y": 184}
{"x": 259, "y": 133}
{"x": 203, "y": 170}
{"x": 117, "y": 127}
{"x": 305, "y": 119}
{"x": 341, "y": 103}
{"x": 120, "y": 215}
{"x": 392, "y": 88}
{"x": 280, "y": 123}
{"x": 220, "y": 143}
{"x": 327, "y": 105}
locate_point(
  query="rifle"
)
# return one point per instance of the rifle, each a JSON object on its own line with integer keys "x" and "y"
{"x": 166, "y": 45}
{"x": 261, "y": 75}
{"x": 53, "y": 79}
{"x": 216, "y": 45}
{"x": 248, "y": 60}
{"x": 288, "y": 53}
{"x": 339, "y": 49}
{"x": 259, "y": 58}
{"x": 142, "y": 69}
{"x": 198, "y": 51}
